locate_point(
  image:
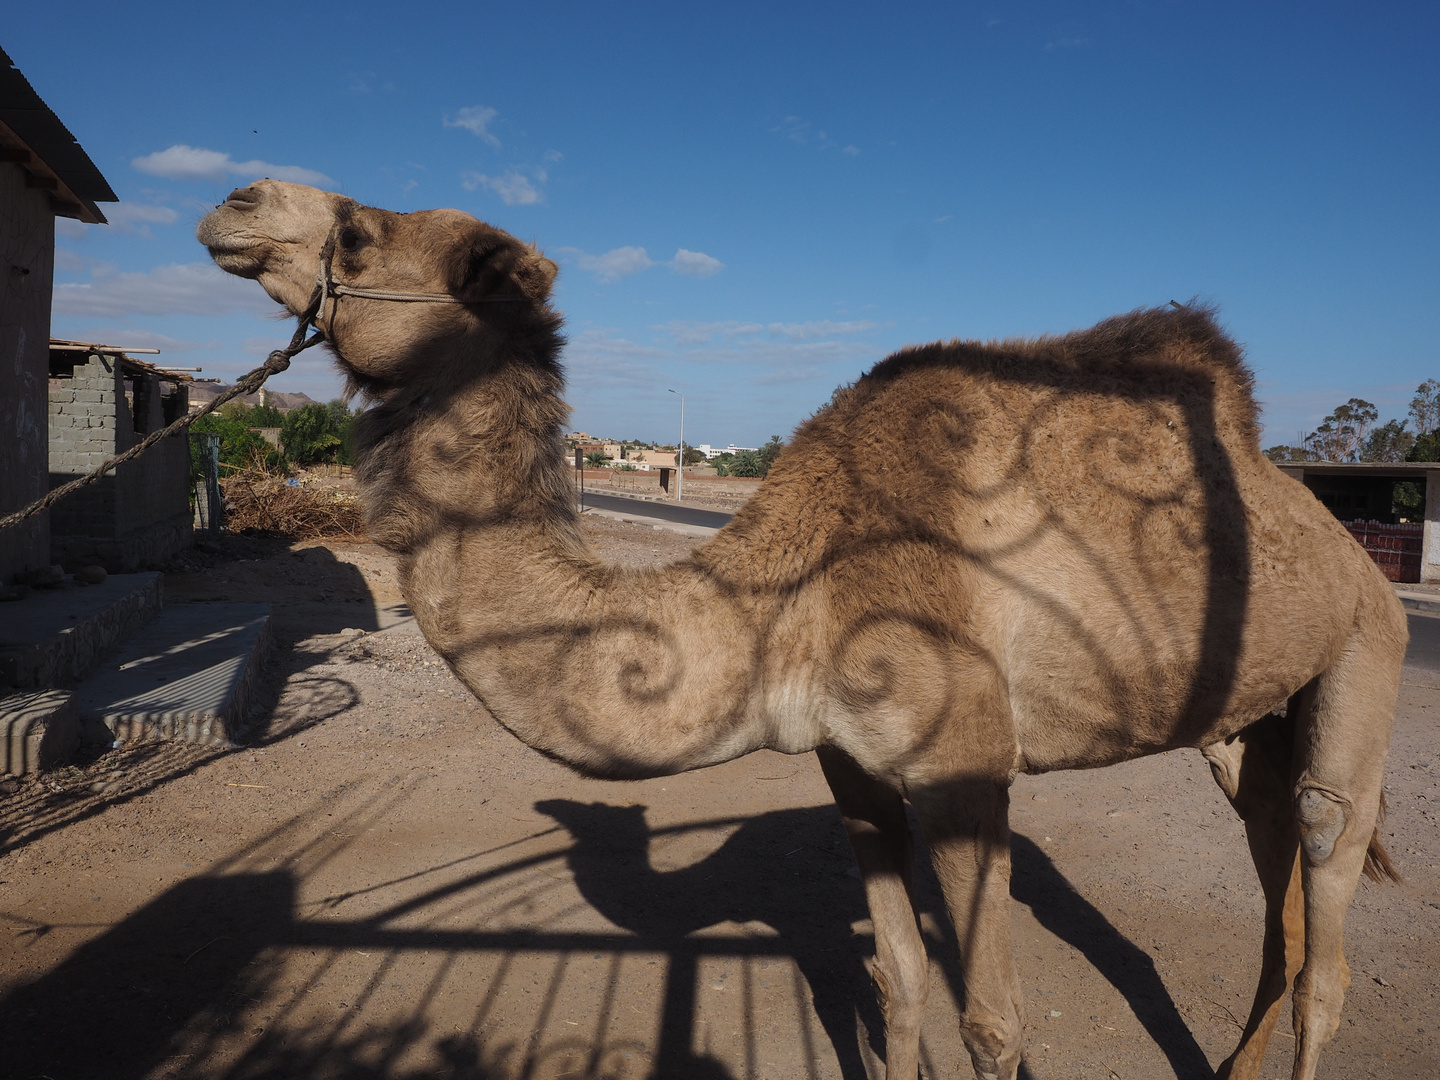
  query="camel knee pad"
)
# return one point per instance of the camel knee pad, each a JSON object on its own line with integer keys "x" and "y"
{"x": 1322, "y": 819}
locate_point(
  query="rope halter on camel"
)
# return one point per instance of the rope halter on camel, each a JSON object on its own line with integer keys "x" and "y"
{"x": 326, "y": 288}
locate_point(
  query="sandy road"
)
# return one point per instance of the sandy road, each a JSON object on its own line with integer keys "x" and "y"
{"x": 387, "y": 885}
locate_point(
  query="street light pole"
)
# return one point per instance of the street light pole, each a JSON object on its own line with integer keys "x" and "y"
{"x": 680, "y": 456}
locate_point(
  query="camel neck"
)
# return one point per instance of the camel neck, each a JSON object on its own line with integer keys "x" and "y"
{"x": 618, "y": 673}
{"x": 484, "y": 452}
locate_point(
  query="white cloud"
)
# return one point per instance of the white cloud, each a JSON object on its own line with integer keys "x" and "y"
{"x": 787, "y": 360}
{"x": 697, "y": 333}
{"x": 799, "y": 130}
{"x": 595, "y": 359}
{"x": 126, "y": 217}
{"x": 132, "y": 217}
{"x": 68, "y": 261}
{"x": 696, "y": 263}
{"x": 598, "y": 359}
{"x": 624, "y": 261}
{"x": 614, "y": 264}
{"x": 182, "y": 162}
{"x": 513, "y": 187}
{"x": 818, "y": 329}
{"x": 178, "y": 289}
{"x": 476, "y": 120}
{"x": 139, "y": 339}
{"x": 132, "y": 213}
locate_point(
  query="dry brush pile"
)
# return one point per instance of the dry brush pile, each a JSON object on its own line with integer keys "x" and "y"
{"x": 257, "y": 499}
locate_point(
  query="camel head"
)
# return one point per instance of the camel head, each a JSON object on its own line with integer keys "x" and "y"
{"x": 280, "y": 235}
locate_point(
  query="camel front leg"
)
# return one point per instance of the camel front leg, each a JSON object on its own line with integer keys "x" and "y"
{"x": 967, "y": 829}
{"x": 1255, "y": 770}
{"x": 874, "y": 817}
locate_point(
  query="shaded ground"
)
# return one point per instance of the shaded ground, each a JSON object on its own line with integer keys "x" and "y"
{"x": 385, "y": 884}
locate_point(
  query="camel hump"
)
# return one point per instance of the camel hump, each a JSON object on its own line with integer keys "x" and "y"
{"x": 1179, "y": 335}
{"x": 1175, "y": 354}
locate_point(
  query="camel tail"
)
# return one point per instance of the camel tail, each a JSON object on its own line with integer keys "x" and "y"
{"x": 1378, "y": 866}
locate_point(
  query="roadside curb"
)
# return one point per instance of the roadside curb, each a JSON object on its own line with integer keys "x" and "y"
{"x": 1420, "y": 602}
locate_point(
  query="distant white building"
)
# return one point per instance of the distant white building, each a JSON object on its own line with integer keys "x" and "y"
{"x": 712, "y": 452}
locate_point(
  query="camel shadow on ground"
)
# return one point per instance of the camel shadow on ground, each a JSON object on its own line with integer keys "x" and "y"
{"x": 177, "y": 986}
{"x": 746, "y": 880}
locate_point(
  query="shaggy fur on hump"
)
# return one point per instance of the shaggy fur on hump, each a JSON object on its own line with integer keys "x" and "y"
{"x": 1146, "y": 343}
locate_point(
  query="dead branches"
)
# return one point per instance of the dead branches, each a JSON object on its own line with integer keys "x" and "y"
{"x": 301, "y": 509}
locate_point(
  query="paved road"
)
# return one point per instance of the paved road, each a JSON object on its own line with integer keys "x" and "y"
{"x": 686, "y": 515}
{"x": 1424, "y": 651}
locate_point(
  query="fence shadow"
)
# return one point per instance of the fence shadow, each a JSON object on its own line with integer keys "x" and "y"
{"x": 205, "y": 981}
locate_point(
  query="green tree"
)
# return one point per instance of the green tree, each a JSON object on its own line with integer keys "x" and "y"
{"x": 342, "y": 422}
{"x": 308, "y": 435}
{"x": 1425, "y": 408}
{"x": 240, "y": 448}
{"x": 1407, "y": 499}
{"x": 1289, "y": 453}
{"x": 1388, "y": 442}
{"x": 770, "y": 451}
{"x": 748, "y": 463}
{"x": 264, "y": 416}
{"x": 1341, "y": 436}
{"x": 596, "y": 459}
{"x": 693, "y": 456}
{"x": 1425, "y": 448}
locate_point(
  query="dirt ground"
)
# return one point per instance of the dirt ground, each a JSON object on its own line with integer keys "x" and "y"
{"x": 384, "y": 884}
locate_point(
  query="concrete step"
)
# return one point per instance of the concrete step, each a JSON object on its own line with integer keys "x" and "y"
{"x": 189, "y": 675}
{"x": 52, "y": 637}
{"x": 39, "y": 730}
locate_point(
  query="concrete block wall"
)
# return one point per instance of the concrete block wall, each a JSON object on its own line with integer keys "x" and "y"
{"x": 138, "y": 516}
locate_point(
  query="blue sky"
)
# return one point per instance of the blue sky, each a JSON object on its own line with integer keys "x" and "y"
{"x": 754, "y": 203}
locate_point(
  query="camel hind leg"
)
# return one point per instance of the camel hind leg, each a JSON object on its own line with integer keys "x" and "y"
{"x": 1342, "y": 734}
{"x": 1255, "y": 770}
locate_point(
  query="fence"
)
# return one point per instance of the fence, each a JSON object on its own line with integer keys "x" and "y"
{"x": 1396, "y": 549}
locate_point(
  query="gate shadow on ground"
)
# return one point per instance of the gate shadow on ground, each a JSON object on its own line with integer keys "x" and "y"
{"x": 202, "y": 982}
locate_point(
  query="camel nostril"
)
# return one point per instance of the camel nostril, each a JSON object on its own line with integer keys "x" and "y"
{"x": 243, "y": 199}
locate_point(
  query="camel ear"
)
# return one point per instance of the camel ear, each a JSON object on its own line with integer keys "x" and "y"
{"x": 535, "y": 274}
{"x": 481, "y": 269}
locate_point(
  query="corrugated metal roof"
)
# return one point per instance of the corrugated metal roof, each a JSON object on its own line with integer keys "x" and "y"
{"x": 36, "y": 125}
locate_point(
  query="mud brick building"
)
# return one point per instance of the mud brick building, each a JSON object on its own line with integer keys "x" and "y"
{"x": 44, "y": 173}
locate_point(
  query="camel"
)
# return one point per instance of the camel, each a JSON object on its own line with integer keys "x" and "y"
{"x": 978, "y": 560}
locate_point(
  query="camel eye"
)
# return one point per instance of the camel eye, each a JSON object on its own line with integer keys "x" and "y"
{"x": 349, "y": 238}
